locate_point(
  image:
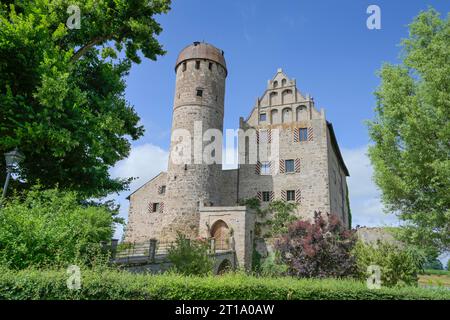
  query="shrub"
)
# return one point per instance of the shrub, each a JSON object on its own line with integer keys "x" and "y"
{"x": 318, "y": 249}
{"x": 110, "y": 284}
{"x": 271, "y": 266}
{"x": 399, "y": 266}
{"x": 190, "y": 257}
{"x": 51, "y": 228}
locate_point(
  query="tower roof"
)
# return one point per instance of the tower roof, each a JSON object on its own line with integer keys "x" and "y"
{"x": 201, "y": 50}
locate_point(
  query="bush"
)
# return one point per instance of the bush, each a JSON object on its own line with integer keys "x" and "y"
{"x": 109, "y": 284}
{"x": 51, "y": 228}
{"x": 399, "y": 266}
{"x": 190, "y": 257}
{"x": 272, "y": 267}
{"x": 318, "y": 249}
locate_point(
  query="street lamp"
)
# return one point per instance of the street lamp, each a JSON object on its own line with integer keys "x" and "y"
{"x": 12, "y": 158}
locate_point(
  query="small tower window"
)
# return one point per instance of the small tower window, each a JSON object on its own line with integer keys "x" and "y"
{"x": 210, "y": 66}
{"x": 303, "y": 134}
{"x": 197, "y": 65}
{"x": 290, "y": 195}
{"x": 289, "y": 165}
{"x": 199, "y": 93}
{"x": 184, "y": 66}
{"x": 265, "y": 168}
{"x": 262, "y": 117}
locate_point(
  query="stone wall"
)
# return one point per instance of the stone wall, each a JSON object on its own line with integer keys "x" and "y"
{"x": 143, "y": 224}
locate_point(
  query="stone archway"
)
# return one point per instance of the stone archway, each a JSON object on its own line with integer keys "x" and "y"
{"x": 224, "y": 267}
{"x": 221, "y": 234}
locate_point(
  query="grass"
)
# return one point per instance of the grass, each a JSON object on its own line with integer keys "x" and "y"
{"x": 110, "y": 284}
{"x": 435, "y": 278}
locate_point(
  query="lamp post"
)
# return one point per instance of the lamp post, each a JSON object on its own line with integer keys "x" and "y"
{"x": 12, "y": 158}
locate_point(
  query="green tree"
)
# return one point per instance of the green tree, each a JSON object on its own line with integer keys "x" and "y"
{"x": 411, "y": 134}
{"x": 42, "y": 228}
{"x": 62, "y": 90}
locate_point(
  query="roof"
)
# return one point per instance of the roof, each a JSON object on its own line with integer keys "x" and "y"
{"x": 336, "y": 148}
{"x": 128, "y": 197}
{"x": 201, "y": 50}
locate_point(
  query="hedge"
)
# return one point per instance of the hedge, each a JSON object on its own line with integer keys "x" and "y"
{"x": 110, "y": 284}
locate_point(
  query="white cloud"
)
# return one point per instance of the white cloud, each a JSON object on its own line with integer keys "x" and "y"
{"x": 365, "y": 202}
{"x": 144, "y": 162}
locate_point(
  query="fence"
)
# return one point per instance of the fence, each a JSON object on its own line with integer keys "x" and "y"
{"x": 153, "y": 250}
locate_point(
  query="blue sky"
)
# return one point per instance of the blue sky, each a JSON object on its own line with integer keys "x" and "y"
{"x": 325, "y": 45}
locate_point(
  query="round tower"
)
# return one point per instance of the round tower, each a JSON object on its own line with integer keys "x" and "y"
{"x": 198, "y": 106}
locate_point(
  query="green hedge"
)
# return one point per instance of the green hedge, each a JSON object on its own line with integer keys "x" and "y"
{"x": 34, "y": 284}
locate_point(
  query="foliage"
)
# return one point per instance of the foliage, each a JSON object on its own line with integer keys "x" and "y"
{"x": 448, "y": 265}
{"x": 399, "y": 266}
{"x": 42, "y": 228}
{"x": 434, "y": 264}
{"x": 190, "y": 257}
{"x": 436, "y": 272}
{"x": 62, "y": 91}
{"x": 110, "y": 284}
{"x": 281, "y": 217}
{"x": 411, "y": 134}
{"x": 321, "y": 248}
{"x": 272, "y": 266}
{"x": 349, "y": 210}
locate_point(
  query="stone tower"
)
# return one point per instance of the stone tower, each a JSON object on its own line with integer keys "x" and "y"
{"x": 198, "y": 106}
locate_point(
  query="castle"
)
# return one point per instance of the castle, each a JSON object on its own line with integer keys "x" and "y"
{"x": 287, "y": 151}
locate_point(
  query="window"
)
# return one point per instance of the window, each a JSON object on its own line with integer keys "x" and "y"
{"x": 199, "y": 93}
{"x": 184, "y": 66}
{"x": 303, "y": 134}
{"x": 266, "y": 196}
{"x": 289, "y": 165}
{"x": 197, "y": 65}
{"x": 290, "y": 195}
{"x": 265, "y": 168}
{"x": 162, "y": 190}
{"x": 210, "y": 66}
{"x": 275, "y": 84}
{"x": 262, "y": 117}
{"x": 155, "y": 207}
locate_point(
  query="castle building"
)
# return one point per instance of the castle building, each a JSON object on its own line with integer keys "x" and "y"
{"x": 287, "y": 151}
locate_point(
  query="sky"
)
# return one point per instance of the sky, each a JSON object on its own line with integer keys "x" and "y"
{"x": 325, "y": 45}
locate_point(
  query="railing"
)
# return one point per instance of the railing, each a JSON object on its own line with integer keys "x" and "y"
{"x": 153, "y": 250}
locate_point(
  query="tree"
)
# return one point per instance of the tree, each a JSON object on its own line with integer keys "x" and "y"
{"x": 62, "y": 90}
{"x": 190, "y": 257}
{"x": 321, "y": 248}
{"x": 42, "y": 228}
{"x": 411, "y": 134}
{"x": 399, "y": 265}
